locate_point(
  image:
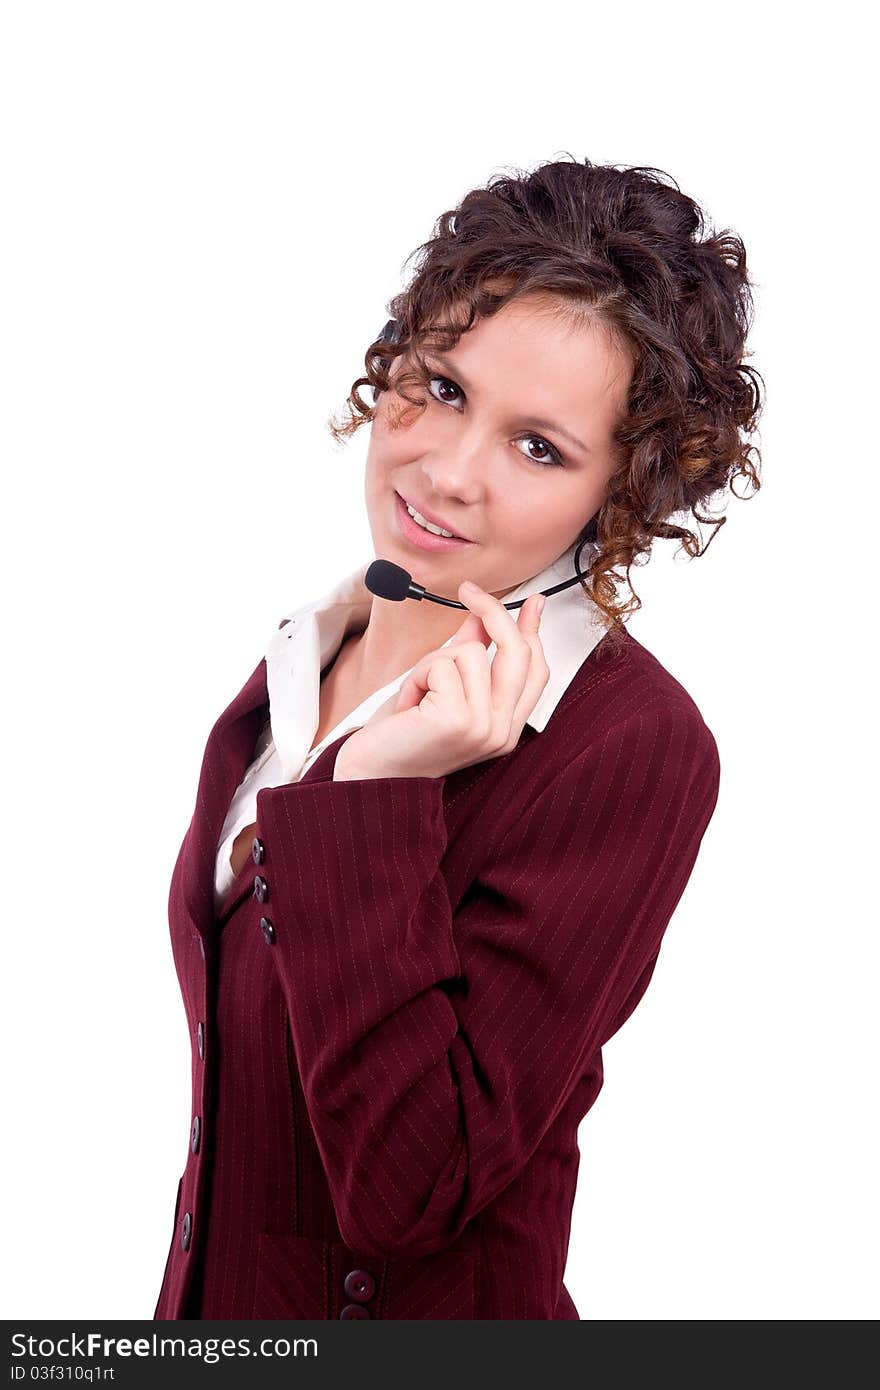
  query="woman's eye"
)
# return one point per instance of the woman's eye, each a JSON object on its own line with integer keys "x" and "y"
{"x": 552, "y": 457}
{"x": 446, "y": 382}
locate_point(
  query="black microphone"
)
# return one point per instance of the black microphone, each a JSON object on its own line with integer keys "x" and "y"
{"x": 387, "y": 580}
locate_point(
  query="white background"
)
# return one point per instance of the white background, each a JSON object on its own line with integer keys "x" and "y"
{"x": 206, "y": 210}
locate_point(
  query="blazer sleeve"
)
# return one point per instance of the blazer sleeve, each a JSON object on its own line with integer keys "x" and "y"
{"x": 436, "y": 1048}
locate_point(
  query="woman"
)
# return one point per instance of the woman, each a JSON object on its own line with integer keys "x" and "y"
{"x": 435, "y": 849}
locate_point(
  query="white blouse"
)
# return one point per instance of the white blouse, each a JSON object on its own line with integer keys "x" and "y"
{"x": 298, "y": 652}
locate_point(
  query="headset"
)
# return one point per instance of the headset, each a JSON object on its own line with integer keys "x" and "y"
{"x": 391, "y": 581}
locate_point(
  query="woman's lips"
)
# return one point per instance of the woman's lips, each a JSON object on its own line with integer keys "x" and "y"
{"x": 417, "y": 535}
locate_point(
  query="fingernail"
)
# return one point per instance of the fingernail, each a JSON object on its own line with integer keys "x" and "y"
{"x": 469, "y": 585}
{"x": 541, "y": 601}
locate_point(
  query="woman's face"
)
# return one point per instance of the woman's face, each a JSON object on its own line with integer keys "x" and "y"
{"x": 490, "y": 455}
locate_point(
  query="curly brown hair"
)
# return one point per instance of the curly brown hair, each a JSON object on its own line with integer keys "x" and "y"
{"x": 619, "y": 245}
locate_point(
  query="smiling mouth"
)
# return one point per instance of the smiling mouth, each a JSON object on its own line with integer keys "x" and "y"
{"x": 431, "y": 521}
{"x": 416, "y": 534}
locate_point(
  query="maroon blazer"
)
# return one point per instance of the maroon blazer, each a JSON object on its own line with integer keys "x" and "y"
{"x": 397, "y": 1016}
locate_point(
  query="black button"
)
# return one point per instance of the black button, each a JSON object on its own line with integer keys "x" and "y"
{"x": 186, "y": 1229}
{"x": 360, "y": 1285}
{"x": 194, "y": 1135}
{"x": 261, "y": 888}
{"x": 201, "y": 1032}
{"x": 268, "y": 930}
{"x": 355, "y": 1310}
{"x": 258, "y": 850}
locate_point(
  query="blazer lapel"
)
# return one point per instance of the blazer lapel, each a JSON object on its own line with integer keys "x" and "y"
{"x": 228, "y": 753}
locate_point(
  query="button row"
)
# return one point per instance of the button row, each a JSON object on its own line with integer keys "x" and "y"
{"x": 358, "y": 1284}
{"x": 261, "y": 889}
{"x": 195, "y": 1137}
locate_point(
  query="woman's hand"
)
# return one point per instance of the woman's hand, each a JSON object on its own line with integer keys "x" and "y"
{"x": 456, "y": 707}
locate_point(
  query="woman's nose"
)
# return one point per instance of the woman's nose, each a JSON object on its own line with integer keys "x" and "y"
{"x": 457, "y": 472}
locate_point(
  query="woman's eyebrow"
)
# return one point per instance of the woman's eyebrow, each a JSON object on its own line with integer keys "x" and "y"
{"x": 541, "y": 423}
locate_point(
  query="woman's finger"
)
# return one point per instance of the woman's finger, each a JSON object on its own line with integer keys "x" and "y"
{"x": 470, "y": 630}
{"x": 515, "y": 646}
{"x": 529, "y": 624}
{"x": 472, "y": 627}
{"x": 435, "y": 678}
{"x": 468, "y": 657}
{"x": 475, "y": 674}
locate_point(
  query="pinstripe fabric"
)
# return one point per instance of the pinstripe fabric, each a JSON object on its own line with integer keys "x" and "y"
{"x": 394, "y": 1075}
